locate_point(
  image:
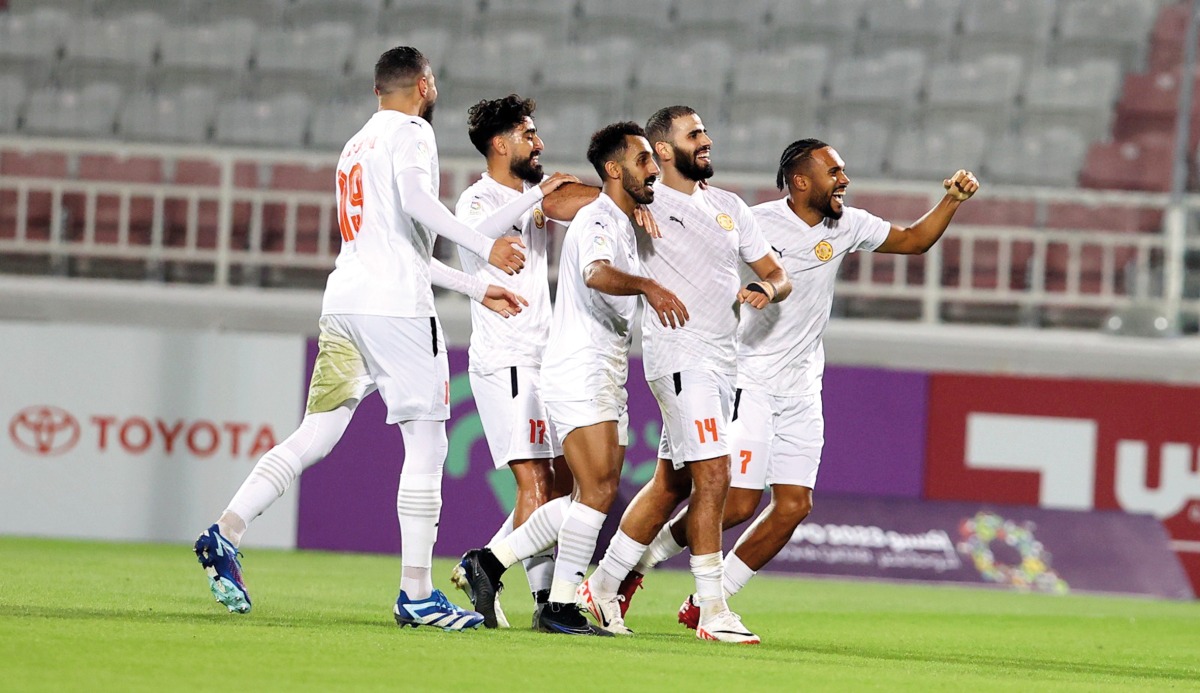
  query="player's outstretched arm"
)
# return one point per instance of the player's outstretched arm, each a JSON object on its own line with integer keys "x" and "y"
{"x": 772, "y": 286}
{"x": 500, "y": 300}
{"x": 419, "y": 203}
{"x": 495, "y": 298}
{"x": 603, "y": 277}
{"x": 921, "y": 236}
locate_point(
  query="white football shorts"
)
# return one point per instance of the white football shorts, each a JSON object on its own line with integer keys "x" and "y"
{"x": 776, "y": 440}
{"x": 404, "y": 358}
{"x": 695, "y": 406}
{"x": 514, "y": 418}
{"x": 610, "y": 404}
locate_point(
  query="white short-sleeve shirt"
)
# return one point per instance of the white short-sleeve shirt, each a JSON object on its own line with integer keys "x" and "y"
{"x": 779, "y": 348}
{"x": 588, "y": 350}
{"x": 383, "y": 265}
{"x": 498, "y": 342}
{"x": 706, "y": 238}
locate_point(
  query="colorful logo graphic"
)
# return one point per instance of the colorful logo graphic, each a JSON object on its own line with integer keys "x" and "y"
{"x": 44, "y": 430}
{"x": 1031, "y": 573}
{"x": 823, "y": 251}
{"x": 725, "y": 221}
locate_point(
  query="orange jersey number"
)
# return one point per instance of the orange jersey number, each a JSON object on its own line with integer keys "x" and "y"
{"x": 350, "y": 200}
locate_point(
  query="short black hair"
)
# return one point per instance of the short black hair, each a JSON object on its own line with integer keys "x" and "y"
{"x": 609, "y": 142}
{"x": 658, "y": 128}
{"x": 487, "y": 119}
{"x": 794, "y": 155}
{"x": 398, "y": 66}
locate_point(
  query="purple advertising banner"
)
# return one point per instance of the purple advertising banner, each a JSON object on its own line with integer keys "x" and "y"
{"x": 875, "y": 423}
{"x": 1016, "y": 547}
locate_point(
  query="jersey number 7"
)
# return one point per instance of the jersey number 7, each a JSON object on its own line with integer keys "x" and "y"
{"x": 350, "y": 200}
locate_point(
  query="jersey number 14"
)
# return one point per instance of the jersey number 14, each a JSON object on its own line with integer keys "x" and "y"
{"x": 350, "y": 200}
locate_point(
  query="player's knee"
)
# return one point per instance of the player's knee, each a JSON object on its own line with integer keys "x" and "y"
{"x": 794, "y": 508}
{"x": 602, "y": 492}
{"x": 711, "y": 476}
{"x": 740, "y": 507}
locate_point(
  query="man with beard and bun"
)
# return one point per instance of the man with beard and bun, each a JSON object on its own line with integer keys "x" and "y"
{"x": 506, "y": 354}
{"x": 778, "y": 433}
{"x": 710, "y": 235}
{"x": 583, "y": 378}
{"x": 379, "y": 330}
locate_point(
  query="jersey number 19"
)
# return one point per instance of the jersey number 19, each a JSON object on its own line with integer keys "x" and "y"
{"x": 350, "y": 199}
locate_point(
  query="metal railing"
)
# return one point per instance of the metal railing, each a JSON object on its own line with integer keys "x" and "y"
{"x": 1040, "y": 265}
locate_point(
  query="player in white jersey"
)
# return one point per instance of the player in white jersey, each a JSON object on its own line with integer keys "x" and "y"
{"x": 778, "y": 431}
{"x": 710, "y": 236}
{"x": 514, "y": 195}
{"x": 583, "y": 378}
{"x": 378, "y": 330}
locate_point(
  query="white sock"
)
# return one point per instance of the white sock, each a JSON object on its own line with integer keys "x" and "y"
{"x": 535, "y": 536}
{"x": 737, "y": 574}
{"x": 576, "y": 544}
{"x": 505, "y": 529}
{"x": 539, "y": 570}
{"x": 622, "y": 555}
{"x": 419, "y": 502}
{"x": 662, "y": 547}
{"x": 276, "y": 470}
{"x": 710, "y": 596}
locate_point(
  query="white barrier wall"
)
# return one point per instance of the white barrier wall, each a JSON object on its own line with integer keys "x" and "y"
{"x": 140, "y": 433}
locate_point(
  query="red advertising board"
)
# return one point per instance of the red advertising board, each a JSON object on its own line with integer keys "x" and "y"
{"x": 1070, "y": 444}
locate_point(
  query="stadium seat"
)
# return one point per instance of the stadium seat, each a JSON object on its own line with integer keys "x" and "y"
{"x": 30, "y": 42}
{"x": 998, "y": 211}
{"x": 983, "y": 91}
{"x": 363, "y": 15}
{"x": 1150, "y": 103}
{"x": 261, "y": 12}
{"x": 639, "y": 20}
{"x": 566, "y": 128}
{"x": 39, "y": 204}
{"x": 595, "y": 74}
{"x": 297, "y": 177}
{"x": 1167, "y": 37}
{"x": 183, "y": 116}
{"x": 1079, "y": 96}
{"x": 752, "y": 145}
{"x": 492, "y": 66}
{"x": 107, "y": 207}
{"x": 785, "y": 83}
{"x": 678, "y": 78}
{"x": 1110, "y": 29}
{"x": 862, "y": 143}
{"x": 873, "y": 87}
{"x": 311, "y": 59}
{"x": 12, "y": 98}
{"x": 977, "y": 262}
{"x": 937, "y": 153}
{"x": 77, "y": 8}
{"x": 739, "y": 23}
{"x": 277, "y": 122}
{"x": 1082, "y": 216}
{"x": 335, "y": 122}
{"x": 924, "y": 25}
{"x": 1051, "y": 156}
{"x": 832, "y": 23}
{"x": 119, "y": 50}
{"x": 87, "y": 112}
{"x": 431, "y": 42}
{"x": 1007, "y": 26}
{"x": 1090, "y": 263}
{"x": 178, "y": 11}
{"x": 413, "y": 16}
{"x": 552, "y": 17}
{"x": 214, "y": 55}
{"x": 1143, "y": 163}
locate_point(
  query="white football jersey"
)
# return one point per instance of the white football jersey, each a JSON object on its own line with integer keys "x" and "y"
{"x": 779, "y": 348}
{"x": 498, "y": 342}
{"x": 588, "y": 351}
{"x": 706, "y": 237}
{"x": 383, "y": 266}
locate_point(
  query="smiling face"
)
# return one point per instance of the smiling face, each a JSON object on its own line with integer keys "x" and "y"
{"x": 638, "y": 170}
{"x": 826, "y": 174}
{"x": 526, "y": 147}
{"x": 691, "y": 148}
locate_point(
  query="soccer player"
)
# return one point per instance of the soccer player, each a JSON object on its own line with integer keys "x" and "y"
{"x": 506, "y": 355}
{"x": 778, "y": 428}
{"x": 710, "y": 235}
{"x": 379, "y": 330}
{"x": 583, "y": 379}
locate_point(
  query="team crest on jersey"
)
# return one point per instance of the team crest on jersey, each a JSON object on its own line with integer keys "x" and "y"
{"x": 539, "y": 219}
{"x": 823, "y": 251}
{"x": 599, "y": 241}
{"x": 725, "y": 221}
{"x": 422, "y": 148}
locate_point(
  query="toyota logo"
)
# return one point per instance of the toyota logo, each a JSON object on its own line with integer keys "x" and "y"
{"x": 44, "y": 430}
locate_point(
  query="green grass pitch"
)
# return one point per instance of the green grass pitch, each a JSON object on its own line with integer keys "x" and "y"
{"x": 138, "y": 617}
